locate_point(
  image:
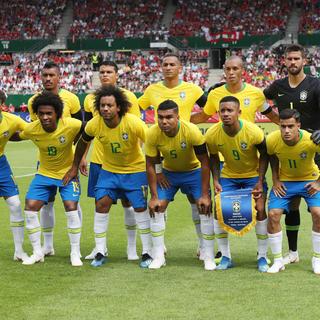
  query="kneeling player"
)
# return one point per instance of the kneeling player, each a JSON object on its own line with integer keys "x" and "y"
{"x": 298, "y": 177}
{"x": 123, "y": 169}
{"x": 54, "y": 136}
{"x": 9, "y": 124}
{"x": 186, "y": 167}
{"x": 239, "y": 142}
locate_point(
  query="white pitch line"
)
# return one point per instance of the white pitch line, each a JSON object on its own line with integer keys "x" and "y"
{"x": 25, "y": 175}
{"x": 23, "y": 167}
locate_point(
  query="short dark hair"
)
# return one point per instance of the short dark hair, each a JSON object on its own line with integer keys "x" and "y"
{"x": 230, "y": 99}
{"x": 3, "y": 97}
{"x": 168, "y": 105}
{"x": 120, "y": 97}
{"x": 110, "y": 64}
{"x": 289, "y": 113}
{"x": 47, "y": 98}
{"x": 50, "y": 65}
{"x": 294, "y": 48}
{"x": 171, "y": 54}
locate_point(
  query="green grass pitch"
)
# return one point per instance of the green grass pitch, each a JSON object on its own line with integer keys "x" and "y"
{"x": 121, "y": 290}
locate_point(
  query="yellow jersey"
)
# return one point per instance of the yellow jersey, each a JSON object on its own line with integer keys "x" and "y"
{"x": 56, "y": 152}
{"x": 9, "y": 124}
{"x": 97, "y": 149}
{"x": 296, "y": 162}
{"x": 121, "y": 145}
{"x": 71, "y": 104}
{"x": 240, "y": 153}
{"x": 177, "y": 151}
{"x": 185, "y": 95}
{"x": 251, "y": 100}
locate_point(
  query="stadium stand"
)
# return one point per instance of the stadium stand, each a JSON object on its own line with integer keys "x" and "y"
{"x": 254, "y": 18}
{"x": 121, "y": 19}
{"x": 20, "y": 19}
{"x": 310, "y": 19}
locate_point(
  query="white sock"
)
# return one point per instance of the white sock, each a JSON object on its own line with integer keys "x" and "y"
{"x": 100, "y": 227}
{"x": 80, "y": 213}
{"x": 207, "y": 231}
{"x": 143, "y": 223}
{"x": 316, "y": 244}
{"x": 131, "y": 226}
{"x": 74, "y": 230}
{"x": 275, "y": 243}
{"x": 47, "y": 221}
{"x": 262, "y": 237}
{"x": 34, "y": 231}
{"x": 222, "y": 240}
{"x": 196, "y": 221}
{"x": 16, "y": 222}
{"x": 157, "y": 226}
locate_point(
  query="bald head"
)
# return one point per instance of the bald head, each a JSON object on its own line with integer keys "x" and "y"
{"x": 235, "y": 59}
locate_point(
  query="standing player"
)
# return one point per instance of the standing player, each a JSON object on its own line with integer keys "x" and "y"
{"x": 251, "y": 98}
{"x": 50, "y": 77}
{"x": 239, "y": 142}
{"x": 301, "y": 92}
{"x": 298, "y": 176}
{"x": 185, "y": 95}
{"x": 185, "y": 166}
{"x": 54, "y": 136}
{"x": 123, "y": 168}
{"x": 9, "y": 124}
{"x": 108, "y": 74}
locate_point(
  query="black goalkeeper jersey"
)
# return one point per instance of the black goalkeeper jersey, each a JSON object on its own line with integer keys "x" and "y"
{"x": 305, "y": 98}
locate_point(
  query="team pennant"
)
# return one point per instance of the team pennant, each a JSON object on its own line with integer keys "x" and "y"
{"x": 236, "y": 211}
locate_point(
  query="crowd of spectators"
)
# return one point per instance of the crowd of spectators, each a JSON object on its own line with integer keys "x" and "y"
{"x": 23, "y": 76}
{"x": 252, "y": 17}
{"x": 32, "y": 19}
{"x": 310, "y": 18}
{"x": 137, "y": 70}
{"x": 144, "y": 68}
{"x": 118, "y": 19}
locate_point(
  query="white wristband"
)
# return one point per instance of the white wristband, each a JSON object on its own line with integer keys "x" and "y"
{"x": 158, "y": 167}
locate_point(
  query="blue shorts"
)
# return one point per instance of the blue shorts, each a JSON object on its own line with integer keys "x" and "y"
{"x": 131, "y": 186}
{"x": 93, "y": 178}
{"x": 294, "y": 189}
{"x": 230, "y": 184}
{"x": 8, "y": 187}
{"x": 189, "y": 182}
{"x": 42, "y": 188}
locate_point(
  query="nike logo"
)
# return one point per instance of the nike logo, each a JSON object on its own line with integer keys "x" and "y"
{"x": 75, "y": 195}
{"x": 280, "y": 94}
{"x": 37, "y": 140}
{"x": 220, "y": 145}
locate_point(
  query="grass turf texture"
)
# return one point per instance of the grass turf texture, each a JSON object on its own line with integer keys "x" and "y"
{"x": 121, "y": 290}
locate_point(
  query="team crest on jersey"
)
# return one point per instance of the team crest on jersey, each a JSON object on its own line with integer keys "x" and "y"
{"x": 183, "y": 145}
{"x": 125, "y": 136}
{"x": 236, "y": 206}
{"x": 6, "y": 134}
{"x": 303, "y": 95}
{"x": 182, "y": 95}
{"x": 62, "y": 139}
{"x": 303, "y": 155}
{"x": 246, "y": 102}
{"x": 243, "y": 145}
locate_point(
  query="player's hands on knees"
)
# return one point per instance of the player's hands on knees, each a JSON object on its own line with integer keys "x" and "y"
{"x": 83, "y": 167}
{"x": 217, "y": 187}
{"x": 315, "y": 137}
{"x": 71, "y": 174}
{"x": 154, "y": 207}
{"x": 313, "y": 187}
{"x": 162, "y": 181}
{"x": 257, "y": 190}
{"x": 204, "y": 205}
{"x": 279, "y": 189}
